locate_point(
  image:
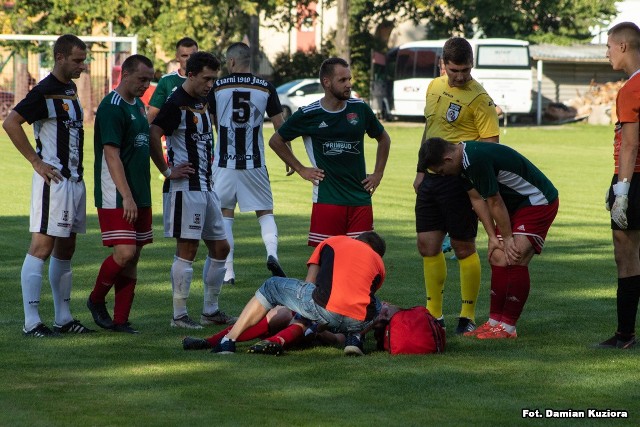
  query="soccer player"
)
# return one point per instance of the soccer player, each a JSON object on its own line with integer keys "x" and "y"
{"x": 516, "y": 203}
{"x": 457, "y": 109}
{"x": 339, "y": 291}
{"x": 191, "y": 208}
{"x": 185, "y": 47}
{"x": 58, "y": 197}
{"x": 333, "y": 130}
{"x": 238, "y": 103}
{"x": 122, "y": 191}
{"x": 623, "y": 51}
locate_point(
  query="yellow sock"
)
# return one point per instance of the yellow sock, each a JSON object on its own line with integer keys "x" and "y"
{"x": 469, "y": 285}
{"x": 435, "y": 273}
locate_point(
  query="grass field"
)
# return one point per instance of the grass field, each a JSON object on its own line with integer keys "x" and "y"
{"x": 116, "y": 379}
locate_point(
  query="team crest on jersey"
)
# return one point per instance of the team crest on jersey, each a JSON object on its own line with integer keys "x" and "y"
{"x": 352, "y": 118}
{"x": 65, "y": 107}
{"x": 141, "y": 140}
{"x": 453, "y": 112}
{"x": 195, "y": 120}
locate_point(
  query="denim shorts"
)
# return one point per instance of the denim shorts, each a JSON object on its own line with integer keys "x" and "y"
{"x": 296, "y": 295}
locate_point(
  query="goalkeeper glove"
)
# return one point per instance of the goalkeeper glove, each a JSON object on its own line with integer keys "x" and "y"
{"x": 619, "y": 208}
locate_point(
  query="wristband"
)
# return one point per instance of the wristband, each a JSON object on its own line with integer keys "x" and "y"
{"x": 621, "y": 188}
{"x": 166, "y": 173}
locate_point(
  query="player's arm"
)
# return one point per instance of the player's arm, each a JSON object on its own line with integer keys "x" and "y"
{"x": 155, "y": 148}
{"x": 486, "y": 120}
{"x": 372, "y": 181}
{"x": 312, "y": 273}
{"x": 279, "y": 145}
{"x": 420, "y": 172}
{"x": 116, "y": 169}
{"x": 277, "y": 121}
{"x": 500, "y": 216}
{"x": 13, "y": 126}
{"x": 152, "y": 113}
{"x": 481, "y": 209}
{"x": 626, "y": 165}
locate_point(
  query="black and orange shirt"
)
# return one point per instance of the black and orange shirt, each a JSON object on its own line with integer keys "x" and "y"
{"x": 350, "y": 274}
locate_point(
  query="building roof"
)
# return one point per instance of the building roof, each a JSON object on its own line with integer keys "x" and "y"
{"x": 591, "y": 53}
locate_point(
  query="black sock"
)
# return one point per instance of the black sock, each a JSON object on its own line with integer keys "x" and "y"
{"x": 628, "y": 296}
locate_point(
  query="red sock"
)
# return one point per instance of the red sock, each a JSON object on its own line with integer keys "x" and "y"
{"x": 499, "y": 286}
{"x": 259, "y": 330}
{"x": 518, "y": 292}
{"x": 105, "y": 280}
{"x": 288, "y": 335}
{"x": 125, "y": 287}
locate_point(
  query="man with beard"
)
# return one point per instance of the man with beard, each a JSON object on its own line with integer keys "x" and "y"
{"x": 333, "y": 131}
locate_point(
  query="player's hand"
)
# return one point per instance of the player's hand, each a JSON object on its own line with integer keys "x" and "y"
{"x": 314, "y": 175}
{"x": 494, "y": 244}
{"x": 606, "y": 199}
{"x": 130, "y": 209}
{"x": 418, "y": 181}
{"x": 47, "y": 172}
{"x": 181, "y": 171}
{"x": 511, "y": 251}
{"x": 289, "y": 170}
{"x": 619, "y": 211}
{"x": 371, "y": 182}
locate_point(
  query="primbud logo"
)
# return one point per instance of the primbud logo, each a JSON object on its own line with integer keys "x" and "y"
{"x": 334, "y": 148}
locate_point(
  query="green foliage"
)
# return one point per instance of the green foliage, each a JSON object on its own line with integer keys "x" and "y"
{"x": 556, "y": 21}
{"x": 297, "y": 66}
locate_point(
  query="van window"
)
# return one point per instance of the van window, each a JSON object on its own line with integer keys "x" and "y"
{"x": 504, "y": 56}
{"x": 418, "y": 63}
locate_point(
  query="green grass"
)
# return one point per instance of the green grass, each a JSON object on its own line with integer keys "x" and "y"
{"x": 109, "y": 379}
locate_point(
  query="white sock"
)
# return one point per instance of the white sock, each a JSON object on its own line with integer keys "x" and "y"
{"x": 60, "y": 280}
{"x": 228, "y": 229}
{"x": 212, "y": 276}
{"x": 493, "y": 322}
{"x": 31, "y": 282}
{"x": 269, "y": 232}
{"x": 181, "y": 275}
{"x": 509, "y": 328}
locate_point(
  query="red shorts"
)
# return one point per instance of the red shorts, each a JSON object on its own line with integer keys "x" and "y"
{"x": 117, "y": 231}
{"x": 337, "y": 220}
{"x": 534, "y": 222}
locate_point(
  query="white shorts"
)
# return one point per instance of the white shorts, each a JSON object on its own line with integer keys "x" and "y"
{"x": 58, "y": 209}
{"x": 249, "y": 188}
{"x": 193, "y": 215}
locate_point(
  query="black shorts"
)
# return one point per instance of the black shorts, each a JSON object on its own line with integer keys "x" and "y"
{"x": 633, "y": 211}
{"x": 442, "y": 204}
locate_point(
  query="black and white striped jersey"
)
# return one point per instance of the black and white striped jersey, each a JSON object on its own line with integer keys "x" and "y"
{"x": 238, "y": 103}
{"x": 54, "y": 110}
{"x": 186, "y": 123}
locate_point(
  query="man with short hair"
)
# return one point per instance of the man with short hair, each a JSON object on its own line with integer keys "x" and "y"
{"x": 185, "y": 47}
{"x": 191, "y": 208}
{"x": 333, "y": 130}
{"x": 58, "y": 198}
{"x": 516, "y": 203}
{"x": 122, "y": 191}
{"x": 457, "y": 109}
{"x": 238, "y": 104}
{"x": 623, "y": 196}
{"x": 338, "y": 293}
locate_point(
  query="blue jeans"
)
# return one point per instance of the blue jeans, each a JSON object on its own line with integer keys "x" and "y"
{"x": 296, "y": 295}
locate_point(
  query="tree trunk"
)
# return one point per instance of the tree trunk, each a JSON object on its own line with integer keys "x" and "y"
{"x": 342, "y": 32}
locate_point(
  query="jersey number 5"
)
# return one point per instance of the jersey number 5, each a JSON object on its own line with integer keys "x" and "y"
{"x": 241, "y": 106}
